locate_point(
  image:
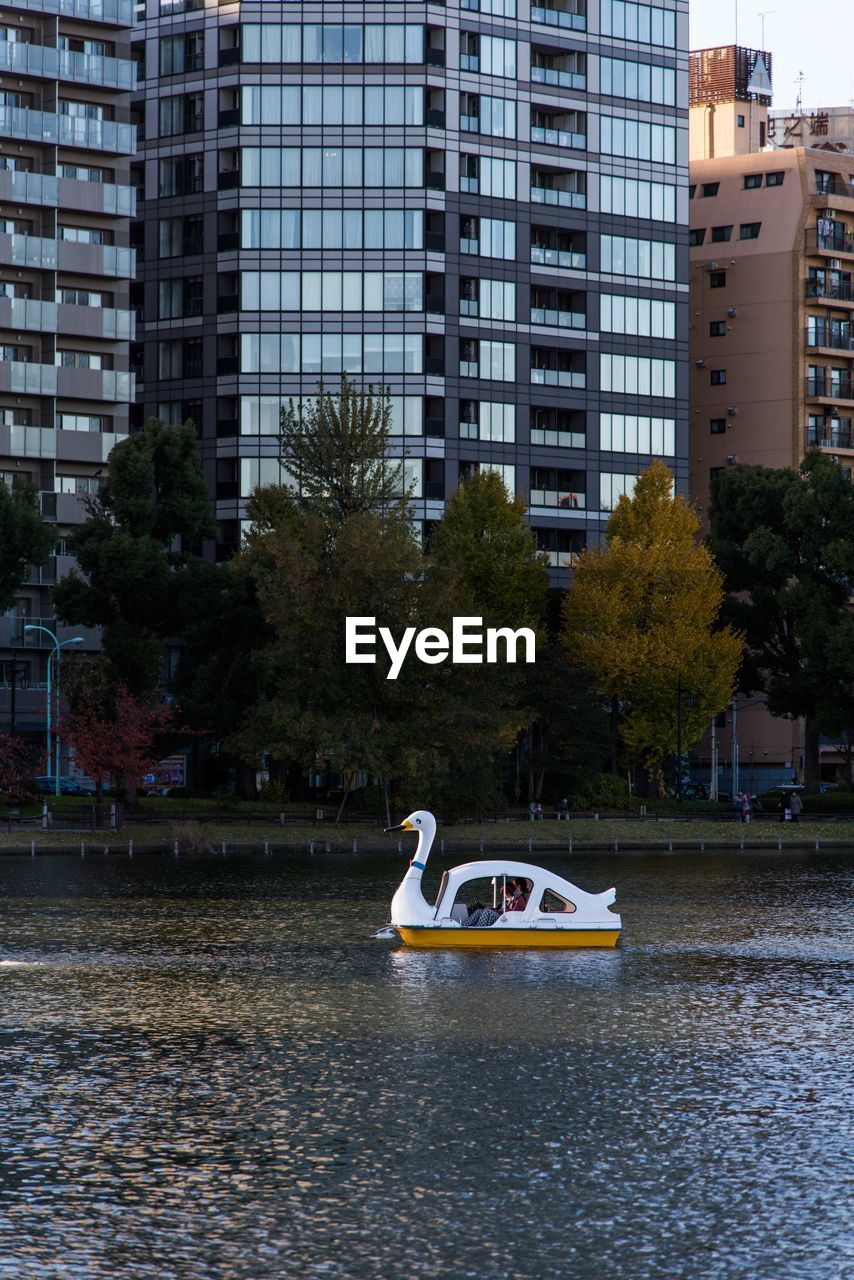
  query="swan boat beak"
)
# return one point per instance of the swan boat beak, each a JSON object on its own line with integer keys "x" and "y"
{"x": 403, "y": 826}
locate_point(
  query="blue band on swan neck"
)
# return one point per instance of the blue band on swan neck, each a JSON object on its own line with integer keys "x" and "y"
{"x": 420, "y": 865}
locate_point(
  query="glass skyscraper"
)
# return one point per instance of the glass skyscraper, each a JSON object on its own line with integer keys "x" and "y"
{"x": 481, "y": 205}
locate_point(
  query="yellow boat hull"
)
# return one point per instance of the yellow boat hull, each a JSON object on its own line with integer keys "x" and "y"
{"x": 539, "y": 939}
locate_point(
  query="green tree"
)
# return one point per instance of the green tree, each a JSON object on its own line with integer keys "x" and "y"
{"x": 25, "y": 539}
{"x": 784, "y": 539}
{"x": 138, "y": 551}
{"x": 335, "y": 452}
{"x": 642, "y": 617}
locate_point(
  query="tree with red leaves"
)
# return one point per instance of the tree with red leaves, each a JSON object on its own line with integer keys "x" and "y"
{"x": 113, "y": 731}
{"x": 19, "y": 762}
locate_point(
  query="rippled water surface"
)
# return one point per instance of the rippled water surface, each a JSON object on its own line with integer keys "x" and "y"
{"x": 210, "y": 1070}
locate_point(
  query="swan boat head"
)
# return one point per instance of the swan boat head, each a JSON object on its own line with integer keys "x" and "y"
{"x": 409, "y": 906}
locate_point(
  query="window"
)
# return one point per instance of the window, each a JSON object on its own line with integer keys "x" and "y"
{"x": 645, "y": 317}
{"x": 332, "y": 291}
{"x": 332, "y": 167}
{"x": 486, "y": 359}
{"x": 696, "y": 236}
{"x": 642, "y": 23}
{"x": 692, "y": 191}
{"x": 721, "y": 234}
{"x": 717, "y": 426}
{"x": 648, "y": 259}
{"x": 775, "y": 179}
{"x": 717, "y": 328}
{"x": 637, "y": 375}
{"x": 333, "y": 104}
{"x": 315, "y": 353}
{"x": 482, "y": 114}
{"x": 81, "y": 235}
{"x": 488, "y": 420}
{"x": 498, "y": 57}
{"x": 642, "y": 81}
{"x": 637, "y": 198}
{"x": 630, "y": 433}
{"x": 332, "y": 229}
{"x": 717, "y": 279}
{"x": 752, "y": 181}
{"x": 332, "y": 42}
{"x": 740, "y": 121}
{"x": 710, "y": 188}
{"x": 184, "y": 113}
{"x": 717, "y": 377}
{"x": 181, "y": 175}
{"x": 498, "y": 178}
{"x": 555, "y": 904}
{"x": 637, "y": 139}
{"x": 177, "y": 237}
{"x": 490, "y": 237}
{"x": 612, "y": 487}
{"x": 714, "y": 472}
{"x": 749, "y": 230}
{"x": 489, "y": 299}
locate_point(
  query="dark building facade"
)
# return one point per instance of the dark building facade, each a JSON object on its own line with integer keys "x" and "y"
{"x": 481, "y": 205}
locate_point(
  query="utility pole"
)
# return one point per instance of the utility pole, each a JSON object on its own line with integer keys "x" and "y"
{"x": 679, "y": 740}
{"x": 713, "y": 781}
{"x": 734, "y": 749}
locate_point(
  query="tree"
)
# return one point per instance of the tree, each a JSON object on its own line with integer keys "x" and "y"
{"x": 114, "y": 732}
{"x": 25, "y": 539}
{"x": 19, "y": 763}
{"x": 137, "y": 552}
{"x": 784, "y": 539}
{"x": 335, "y": 452}
{"x": 642, "y": 617}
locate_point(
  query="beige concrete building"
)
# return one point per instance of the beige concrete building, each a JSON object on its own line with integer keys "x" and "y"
{"x": 772, "y": 354}
{"x": 825, "y": 128}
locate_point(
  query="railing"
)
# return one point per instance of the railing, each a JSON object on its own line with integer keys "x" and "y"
{"x": 840, "y": 437}
{"x": 13, "y": 635}
{"x": 558, "y": 378}
{"x": 555, "y": 439}
{"x": 561, "y": 559}
{"x": 563, "y": 319}
{"x": 468, "y": 368}
{"x": 556, "y": 257}
{"x": 97, "y": 135}
{"x": 18, "y": 377}
{"x": 839, "y": 240}
{"x": 831, "y": 389}
{"x": 559, "y": 138}
{"x": 566, "y": 499}
{"x": 29, "y": 314}
{"x": 835, "y": 185}
{"x": 831, "y": 292}
{"x": 552, "y": 195}
{"x": 469, "y": 246}
{"x": 554, "y": 75}
{"x": 558, "y": 17}
{"x": 118, "y": 12}
{"x": 830, "y": 336}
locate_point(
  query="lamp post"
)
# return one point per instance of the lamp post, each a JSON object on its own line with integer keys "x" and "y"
{"x": 57, "y": 645}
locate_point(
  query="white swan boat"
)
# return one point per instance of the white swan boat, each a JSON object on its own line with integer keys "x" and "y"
{"x": 556, "y": 913}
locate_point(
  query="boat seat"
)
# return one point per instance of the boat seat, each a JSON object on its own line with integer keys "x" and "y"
{"x": 459, "y": 911}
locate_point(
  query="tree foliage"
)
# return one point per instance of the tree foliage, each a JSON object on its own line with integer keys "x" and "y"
{"x": 20, "y": 761}
{"x": 25, "y": 539}
{"x": 137, "y": 551}
{"x": 785, "y": 542}
{"x": 642, "y": 617}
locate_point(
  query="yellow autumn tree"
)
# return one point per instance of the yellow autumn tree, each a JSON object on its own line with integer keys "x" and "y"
{"x": 641, "y": 616}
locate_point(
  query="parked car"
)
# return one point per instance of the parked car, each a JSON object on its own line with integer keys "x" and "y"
{"x": 67, "y": 786}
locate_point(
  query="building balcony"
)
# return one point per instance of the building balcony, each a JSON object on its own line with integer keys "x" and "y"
{"x": 555, "y": 76}
{"x": 468, "y": 369}
{"x": 559, "y": 138}
{"x": 67, "y": 193}
{"x": 61, "y": 64}
{"x": 560, "y": 319}
{"x": 559, "y": 378}
{"x": 19, "y": 377}
{"x": 117, "y": 13}
{"x": 835, "y": 184}
{"x": 553, "y": 17}
{"x": 820, "y": 291}
{"x": 834, "y": 434}
{"x": 839, "y": 241}
{"x": 69, "y": 131}
{"x": 559, "y": 498}
{"x": 824, "y": 388}
{"x": 66, "y": 255}
{"x": 94, "y": 384}
{"x": 29, "y": 315}
{"x": 541, "y": 256}
{"x": 556, "y": 195}
{"x": 830, "y": 336}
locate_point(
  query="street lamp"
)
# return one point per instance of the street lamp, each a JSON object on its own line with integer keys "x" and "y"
{"x": 57, "y": 645}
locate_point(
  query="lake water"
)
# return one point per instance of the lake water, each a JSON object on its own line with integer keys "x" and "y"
{"x": 209, "y": 1070}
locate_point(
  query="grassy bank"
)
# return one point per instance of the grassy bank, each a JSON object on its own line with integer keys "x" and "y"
{"x": 545, "y": 837}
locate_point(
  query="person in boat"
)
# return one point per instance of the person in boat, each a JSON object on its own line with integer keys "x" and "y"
{"x": 515, "y": 899}
{"x": 479, "y": 916}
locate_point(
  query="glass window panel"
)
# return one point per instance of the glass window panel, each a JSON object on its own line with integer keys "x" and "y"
{"x": 352, "y": 291}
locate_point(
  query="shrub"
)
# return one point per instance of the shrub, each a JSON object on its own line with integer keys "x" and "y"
{"x": 191, "y": 838}
{"x": 604, "y": 791}
{"x": 273, "y": 791}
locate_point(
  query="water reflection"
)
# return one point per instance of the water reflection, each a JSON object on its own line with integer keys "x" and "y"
{"x": 210, "y": 1070}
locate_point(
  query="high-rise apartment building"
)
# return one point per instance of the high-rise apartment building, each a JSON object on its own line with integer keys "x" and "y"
{"x": 481, "y": 205}
{"x": 772, "y": 342}
{"x": 66, "y": 142}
